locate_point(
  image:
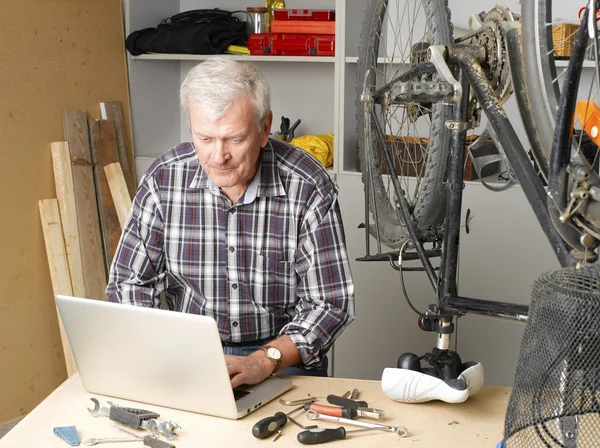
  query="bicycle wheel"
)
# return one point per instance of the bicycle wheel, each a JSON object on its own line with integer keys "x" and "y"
{"x": 573, "y": 177}
{"x": 543, "y": 78}
{"x": 395, "y": 36}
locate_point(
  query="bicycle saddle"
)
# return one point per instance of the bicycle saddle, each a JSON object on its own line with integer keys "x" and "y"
{"x": 409, "y": 386}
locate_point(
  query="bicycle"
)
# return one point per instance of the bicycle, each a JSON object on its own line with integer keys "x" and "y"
{"x": 415, "y": 108}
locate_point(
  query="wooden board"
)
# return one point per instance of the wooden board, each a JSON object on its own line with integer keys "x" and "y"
{"x": 103, "y": 141}
{"x": 118, "y": 189}
{"x": 76, "y": 134}
{"x": 59, "y": 267}
{"x": 63, "y": 180}
{"x": 112, "y": 111}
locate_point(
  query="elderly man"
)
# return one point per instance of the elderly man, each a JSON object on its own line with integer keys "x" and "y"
{"x": 242, "y": 228}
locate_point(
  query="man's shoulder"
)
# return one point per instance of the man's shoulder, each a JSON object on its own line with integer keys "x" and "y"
{"x": 294, "y": 161}
{"x": 181, "y": 157}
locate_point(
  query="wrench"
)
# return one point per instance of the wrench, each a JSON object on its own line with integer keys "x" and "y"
{"x": 136, "y": 418}
{"x": 94, "y": 441}
{"x": 400, "y": 430}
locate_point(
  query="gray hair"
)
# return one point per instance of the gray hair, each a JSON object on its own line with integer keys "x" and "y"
{"x": 217, "y": 82}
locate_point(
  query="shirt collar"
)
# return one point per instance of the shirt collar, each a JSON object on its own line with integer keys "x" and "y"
{"x": 266, "y": 181}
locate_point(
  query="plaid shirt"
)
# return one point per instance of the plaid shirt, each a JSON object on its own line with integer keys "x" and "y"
{"x": 273, "y": 263}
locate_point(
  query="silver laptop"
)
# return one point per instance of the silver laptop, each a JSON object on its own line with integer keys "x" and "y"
{"x": 157, "y": 357}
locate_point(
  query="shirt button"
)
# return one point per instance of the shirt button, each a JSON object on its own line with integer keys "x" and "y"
{"x": 231, "y": 249}
{"x": 234, "y": 286}
{"x": 235, "y": 324}
{"x": 232, "y": 210}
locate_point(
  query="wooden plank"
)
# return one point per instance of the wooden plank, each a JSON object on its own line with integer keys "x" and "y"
{"x": 63, "y": 180}
{"x": 103, "y": 141}
{"x": 59, "y": 267}
{"x": 118, "y": 189}
{"x": 76, "y": 134}
{"x": 112, "y": 111}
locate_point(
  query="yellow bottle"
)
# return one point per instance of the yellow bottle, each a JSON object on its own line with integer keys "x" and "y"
{"x": 271, "y": 5}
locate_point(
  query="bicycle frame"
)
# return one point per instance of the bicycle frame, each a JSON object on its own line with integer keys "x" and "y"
{"x": 465, "y": 59}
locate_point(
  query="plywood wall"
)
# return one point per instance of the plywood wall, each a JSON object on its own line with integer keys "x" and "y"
{"x": 54, "y": 55}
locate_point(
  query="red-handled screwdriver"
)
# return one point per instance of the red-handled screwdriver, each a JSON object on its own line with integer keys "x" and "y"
{"x": 345, "y": 412}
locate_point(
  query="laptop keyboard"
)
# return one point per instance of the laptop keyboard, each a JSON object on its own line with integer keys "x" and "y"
{"x": 239, "y": 393}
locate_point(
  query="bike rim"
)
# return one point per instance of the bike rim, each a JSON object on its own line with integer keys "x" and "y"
{"x": 415, "y": 132}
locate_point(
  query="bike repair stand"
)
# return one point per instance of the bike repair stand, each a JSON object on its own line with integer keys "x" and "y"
{"x": 447, "y": 379}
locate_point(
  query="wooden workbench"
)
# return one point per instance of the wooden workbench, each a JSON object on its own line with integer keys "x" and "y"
{"x": 476, "y": 423}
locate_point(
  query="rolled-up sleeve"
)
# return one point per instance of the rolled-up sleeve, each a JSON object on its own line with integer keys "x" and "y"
{"x": 137, "y": 274}
{"x": 325, "y": 291}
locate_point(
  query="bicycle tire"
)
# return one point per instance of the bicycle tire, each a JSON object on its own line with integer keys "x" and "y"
{"x": 540, "y": 70}
{"x": 569, "y": 163}
{"x": 426, "y": 198}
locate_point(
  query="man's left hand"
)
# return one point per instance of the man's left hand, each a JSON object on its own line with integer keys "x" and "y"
{"x": 251, "y": 369}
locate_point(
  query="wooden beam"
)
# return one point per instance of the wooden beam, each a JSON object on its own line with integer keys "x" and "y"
{"x": 113, "y": 111}
{"x": 75, "y": 126}
{"x": 103, "y": 141}
{"x": 63, "y": 180}
{"x": 59, "y": 267}
{"x": 118, "y": 189}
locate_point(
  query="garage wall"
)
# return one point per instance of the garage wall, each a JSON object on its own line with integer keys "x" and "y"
{"x": 55, "y": 55}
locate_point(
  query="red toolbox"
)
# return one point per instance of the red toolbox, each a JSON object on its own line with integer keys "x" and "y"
{"x": 291, "y": 44}
{"x": 303, "y": 26}
{"x": 304, "y": 14}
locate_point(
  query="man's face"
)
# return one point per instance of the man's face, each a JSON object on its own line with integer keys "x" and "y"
{"x": 229, "y": 148}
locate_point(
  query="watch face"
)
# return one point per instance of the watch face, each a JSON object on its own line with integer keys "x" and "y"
{"x": 274, "y": 353}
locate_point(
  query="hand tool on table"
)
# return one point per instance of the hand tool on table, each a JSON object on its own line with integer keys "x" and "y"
{"x": 324, "y": 435}
{"x": 310, "y": 399}
{"x": 400, "y": 430}
{"x": 269, "y": 425}
{"x": 346, "y": 402}
{"x": 356, "y": 404}
{"x": 68, "y": 434}
{"x": 148, "y": 441}
{"x": 346, "y": 412}
{"x": 297, "y": 402}
{"x": 136, "y": 418}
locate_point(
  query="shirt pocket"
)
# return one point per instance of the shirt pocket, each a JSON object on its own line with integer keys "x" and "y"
{"x": 273, "y": 282}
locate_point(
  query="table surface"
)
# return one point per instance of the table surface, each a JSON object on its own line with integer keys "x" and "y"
{"x": 478, "y": 422}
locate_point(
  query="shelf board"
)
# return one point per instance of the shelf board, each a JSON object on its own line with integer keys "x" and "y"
{"x": 559, "y": 63}
{"x": 236, "y": 57}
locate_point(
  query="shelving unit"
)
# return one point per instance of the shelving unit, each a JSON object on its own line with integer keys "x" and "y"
{"x": 304, "y": 88}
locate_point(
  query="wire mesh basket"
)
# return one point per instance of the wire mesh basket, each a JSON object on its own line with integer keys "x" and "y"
{"x": 563, "y": 39}
{"x": 555, "y": 401}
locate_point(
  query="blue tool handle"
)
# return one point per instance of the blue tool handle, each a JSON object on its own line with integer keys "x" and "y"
{"x": 321, "y": 435}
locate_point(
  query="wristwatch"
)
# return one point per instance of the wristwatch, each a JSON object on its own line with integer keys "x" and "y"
{"x": 274, "y": 354}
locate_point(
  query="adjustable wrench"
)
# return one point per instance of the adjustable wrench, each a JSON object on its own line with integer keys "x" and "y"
{"x": 136, "y": 418}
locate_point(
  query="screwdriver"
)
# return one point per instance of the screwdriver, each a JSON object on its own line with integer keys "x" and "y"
{"x": 345, "y": 412}
{"x": 267, "y": 426}
{"x": 324, "y": 435}
{"x": 150, "y": 441}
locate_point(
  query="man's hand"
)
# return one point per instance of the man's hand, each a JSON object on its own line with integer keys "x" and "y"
{"x": 251, "y": 369}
